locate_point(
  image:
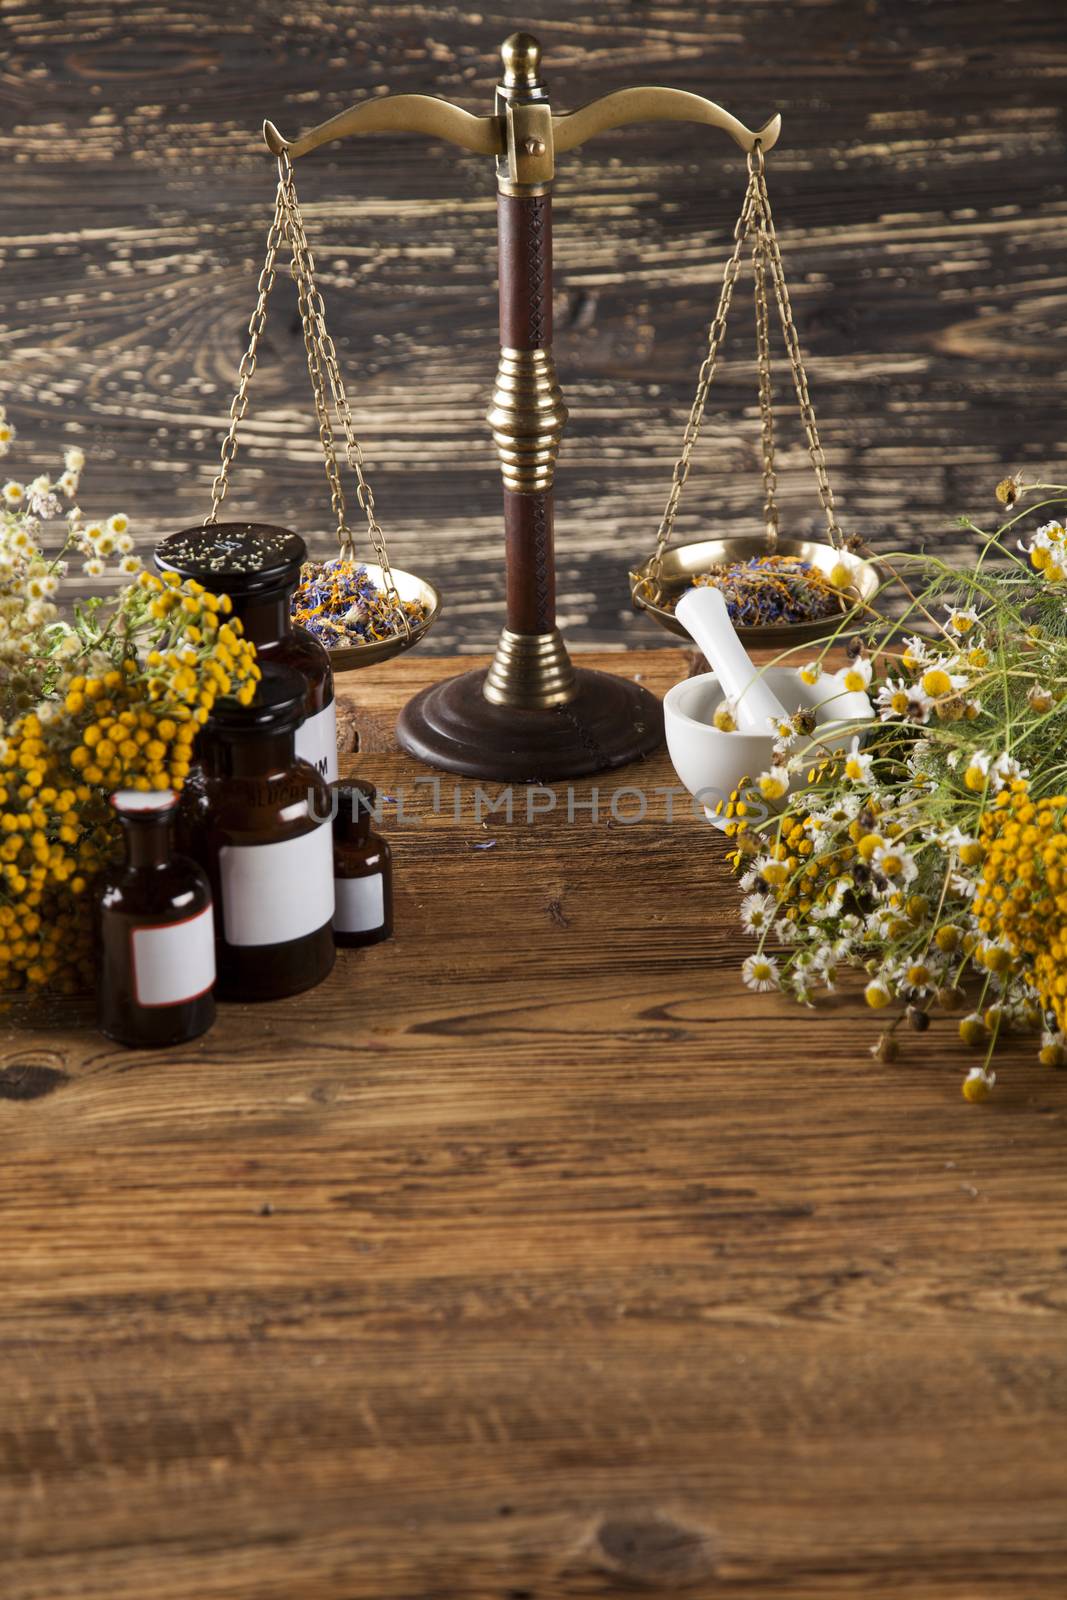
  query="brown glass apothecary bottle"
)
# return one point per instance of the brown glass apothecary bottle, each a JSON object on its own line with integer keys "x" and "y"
{"x": 362, "y": 868}
{"x": 155, "y": 932}
{"x": 258, "y": 566}
{"x": 249, "y": 817}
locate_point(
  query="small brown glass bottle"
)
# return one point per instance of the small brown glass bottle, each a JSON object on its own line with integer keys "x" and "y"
{"x": 258, "y": 566}
{"x": 362, "y": 868}
{"x": 156, "y": 941}
{"x": 249, "y": 817}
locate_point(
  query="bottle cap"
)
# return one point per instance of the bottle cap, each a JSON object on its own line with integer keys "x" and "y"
{"x": 153, "y": 803}
{"x": 356, "y": 800}
{"x": 235, "y": 558}
{"x": 278, "y": 704}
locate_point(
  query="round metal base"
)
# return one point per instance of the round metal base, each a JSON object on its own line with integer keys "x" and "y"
{"x": 453, "y": 726}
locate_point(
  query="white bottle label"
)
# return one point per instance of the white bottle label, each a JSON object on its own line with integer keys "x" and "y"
{"x": 316, "y": 741}
{"x": 173, "y": 964}
{"x": 360, "y": 904}
{"x": 275, "y": 892}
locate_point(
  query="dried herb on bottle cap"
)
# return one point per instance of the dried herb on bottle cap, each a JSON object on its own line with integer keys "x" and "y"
{"x": 235, "y": 558}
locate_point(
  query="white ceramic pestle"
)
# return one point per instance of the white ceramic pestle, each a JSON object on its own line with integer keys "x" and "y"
{"x": 703, "y": 614}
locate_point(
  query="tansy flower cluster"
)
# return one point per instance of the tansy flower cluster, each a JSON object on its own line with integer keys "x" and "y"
{"x": 110, "y": 700}
{"x": 928, "y": 847}
{"x": 1021, "y": 902}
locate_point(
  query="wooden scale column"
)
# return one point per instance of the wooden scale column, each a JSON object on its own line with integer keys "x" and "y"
{"x": 532, "y": 716}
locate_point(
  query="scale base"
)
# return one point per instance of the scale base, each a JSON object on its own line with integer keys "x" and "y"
{"x": 609, "y": 722}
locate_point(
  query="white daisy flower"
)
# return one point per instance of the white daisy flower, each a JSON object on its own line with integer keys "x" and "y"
{"x": 894, "y": 862}
{"x": 978, "y": 1084}
{"x": 916, "y": 652}
{"x": 858, "y": 763}
{"x": 774, "y": 784}
{"x": 856, "y": 677}
{"x": 961, "y": 620}
{"x": 757, "y": 912}
{"x": 760, "y": 973}
{"x": 977, "y": 772}
{"x": 1005, "y": 769}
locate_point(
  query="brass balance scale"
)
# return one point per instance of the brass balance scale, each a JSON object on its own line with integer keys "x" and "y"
{"x": 532, "y": 715}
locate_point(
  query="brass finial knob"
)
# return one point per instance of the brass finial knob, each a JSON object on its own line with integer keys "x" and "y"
{"x": 521, "y": 55}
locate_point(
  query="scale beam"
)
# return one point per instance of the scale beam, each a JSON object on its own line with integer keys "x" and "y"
{"x": 628, "y": 106}
{"x": 513, "y": 133}
{"x": 398, "y": 113}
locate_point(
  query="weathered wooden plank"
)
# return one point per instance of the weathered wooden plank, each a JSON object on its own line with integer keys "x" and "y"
{"x": 919, "y": 190}
{"x": 532, "y": 1255}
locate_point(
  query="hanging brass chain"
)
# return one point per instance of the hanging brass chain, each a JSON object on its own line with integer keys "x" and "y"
{"x": 796, "y": 360}
{"x": 287, "y": 223}
{"x": 298, "y": 267}
{"x": 257, "y": 322}
{"x": 716, "y": 333}
{"x": 322, "y": 357}
{"x": 766, "y": 403}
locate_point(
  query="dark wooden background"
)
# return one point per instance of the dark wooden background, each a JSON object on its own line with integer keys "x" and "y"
{"x": 919, "y": 186}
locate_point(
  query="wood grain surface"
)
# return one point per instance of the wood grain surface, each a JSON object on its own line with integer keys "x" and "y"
{"x": 531, "y": 1256}
{"x": 919, "y": 186}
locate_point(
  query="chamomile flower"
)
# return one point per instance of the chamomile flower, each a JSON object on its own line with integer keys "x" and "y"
{"x": 773, "y": 872}
{"x": 858, "y": 763}
{"x": 895, "y": 864}
{"x": 1053, "y": 1051}
{"x": 1006, "y": 770}
{"x": 978, "y": 1084}
{"x": 976, "y": 775}
{"x": 878, "y": 994}
{"x": 935, "y": 683}
{"x": 14, "y": 494}
{"x": 897, "y": 700}
{"x": 774, "y": 784}
{"x": 757, "y": 913}
{"x": 916, "y": 652}
{"x": 786, "y": 733}
{"x": 961, "y": 620}
{"x": 810, "y": 673}
{"x": 856, "y": 677}
{"x": 760, "y": 972}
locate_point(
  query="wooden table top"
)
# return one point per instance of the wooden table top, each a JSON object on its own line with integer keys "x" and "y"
{"x": 530, "y": 1256}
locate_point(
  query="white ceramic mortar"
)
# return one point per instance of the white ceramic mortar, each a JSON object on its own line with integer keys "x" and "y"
{"x": 711, "y": 764}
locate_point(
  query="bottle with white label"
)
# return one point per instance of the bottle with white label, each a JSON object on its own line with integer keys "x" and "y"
{"x": 258, "y": 566}
{"x": 156, "y": 936}
{"x": 256, "y": 818}
{"x": 362, "y": 868}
